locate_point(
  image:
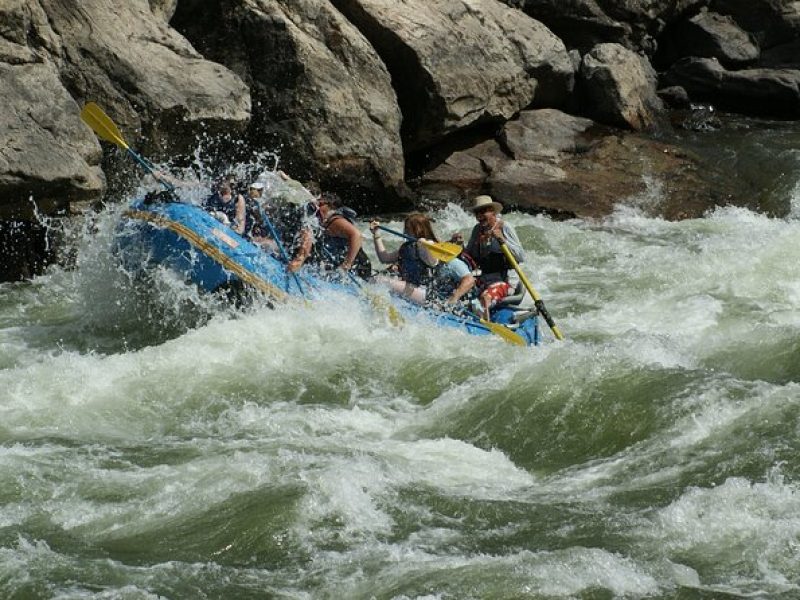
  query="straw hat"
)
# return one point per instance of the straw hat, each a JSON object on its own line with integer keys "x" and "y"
{"x": 257, "y": 185}
{"x": 479, "y": 202}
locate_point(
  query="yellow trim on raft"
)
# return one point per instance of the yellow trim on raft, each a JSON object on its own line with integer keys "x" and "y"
{"x": 213, "y": 253}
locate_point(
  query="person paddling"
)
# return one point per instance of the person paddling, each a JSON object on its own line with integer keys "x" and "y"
{"x": 422, "y": 277}
{"x": 337, "y": 243}
{"x": 497, "y": 278}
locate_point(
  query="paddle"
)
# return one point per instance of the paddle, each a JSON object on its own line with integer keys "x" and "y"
{"x": 504, "y": 332}
{"x": 273, "y": 232}
{"x": 394, "y": 315}
{"x": 107, "y": 130}
{"x": 444, "y": 251}
{"x": 447, "y": 251}
{"x": 536, "y": 297}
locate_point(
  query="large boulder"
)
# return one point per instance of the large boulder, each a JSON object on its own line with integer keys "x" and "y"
{"x": 774, "y": 92}
{"x": 325, "y": 99}
{"x": 583, "y": 24}
{"x": 458, "y": 64}
{"x": 709, "y": 35}
{"x": 772, "y": 22}
{"x": 57, "y": 54}
{"x": 148, "y": 77}
{"x": 45, "y": 150}
{"x": 619, "y": 88}
{"x": 47, "y": 153}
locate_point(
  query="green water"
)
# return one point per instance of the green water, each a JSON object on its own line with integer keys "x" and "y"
{"x": 155, "y": 444}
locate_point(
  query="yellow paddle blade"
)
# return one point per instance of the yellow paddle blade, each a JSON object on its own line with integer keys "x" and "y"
{"x": 444, "y": 251}
{"x": 505, "y": 333}
{"x": 102, "y": 125}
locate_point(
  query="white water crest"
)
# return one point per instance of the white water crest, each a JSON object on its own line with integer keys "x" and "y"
{"x": 156, "y": 442}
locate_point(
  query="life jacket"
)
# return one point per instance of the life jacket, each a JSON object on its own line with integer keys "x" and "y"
{"x": 412, "y": 268}
{"x": 215, "y": 203}
{"x": 331, "y": 250}
{"x": 492, "y": 262}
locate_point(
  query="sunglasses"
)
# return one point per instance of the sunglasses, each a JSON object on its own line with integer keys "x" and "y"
{"x": 484, "y": 210}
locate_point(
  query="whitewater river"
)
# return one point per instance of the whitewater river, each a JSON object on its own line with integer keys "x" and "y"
{"x": 156, "y": 444}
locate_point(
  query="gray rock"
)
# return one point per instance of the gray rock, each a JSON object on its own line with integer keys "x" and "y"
{"x": 620, "y": 88}
{"x": 543, "y": 133}
{"x": 750, "y": 91}
{"x": 46, "y": 152}
{"x": 458, "y": 64}
{"x": 325, "y": 99}
{"x": 709, "y": 35}
{"x": 147, "y": 76}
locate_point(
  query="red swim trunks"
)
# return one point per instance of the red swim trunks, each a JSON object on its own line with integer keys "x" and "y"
{"x": 496, "y": 291}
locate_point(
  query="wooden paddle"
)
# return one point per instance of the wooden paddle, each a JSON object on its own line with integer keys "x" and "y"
{"x": 107, "y": 130}
{"x": 536, "y": 297}
{"x": 444, "y": 251}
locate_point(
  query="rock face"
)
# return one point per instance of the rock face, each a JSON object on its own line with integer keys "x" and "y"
{"x": 325, "y": 98}
{"x": 458, "y": 63}
{"x": 753, "y": 91}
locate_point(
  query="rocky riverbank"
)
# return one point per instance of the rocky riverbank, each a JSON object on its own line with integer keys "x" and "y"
{"x": 550, "y": 106}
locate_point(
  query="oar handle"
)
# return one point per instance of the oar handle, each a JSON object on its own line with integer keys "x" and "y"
{"x": 281, "y": 249}
{"x": 148, "y": 166}
{"x": 537, "y": 299}
{"x": 410, "y": 238}
{"x": 330, "y": 257}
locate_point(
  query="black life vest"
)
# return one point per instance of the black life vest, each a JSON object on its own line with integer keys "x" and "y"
{"x": 331, "y": 250}
{"x": 215, "y": 203}
{"x": 412, "y": 268}
{"x": 491, "y": 261}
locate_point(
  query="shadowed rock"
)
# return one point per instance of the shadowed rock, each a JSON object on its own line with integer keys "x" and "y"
{"x": 750, "y": 91}
{"x": 583, "y": 24}
{"x": 709, "y": 35}
{"x": 772, "y": 22}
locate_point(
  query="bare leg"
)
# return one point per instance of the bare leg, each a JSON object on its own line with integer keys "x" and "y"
{"x": 486, "y": 302}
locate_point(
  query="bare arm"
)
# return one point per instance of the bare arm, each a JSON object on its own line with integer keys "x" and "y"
{"x": 303, "y": 250}
{"x": 343, "y": 228}
{"x": 385, "y": 256}
{"x": 464, "y": 285}
{"x": 240, "y": 215}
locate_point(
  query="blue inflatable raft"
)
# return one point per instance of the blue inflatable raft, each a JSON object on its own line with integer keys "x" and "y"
{"x": 191, "y": 242}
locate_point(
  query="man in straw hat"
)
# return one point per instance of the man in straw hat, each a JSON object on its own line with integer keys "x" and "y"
{"x": 497, "y": 278}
